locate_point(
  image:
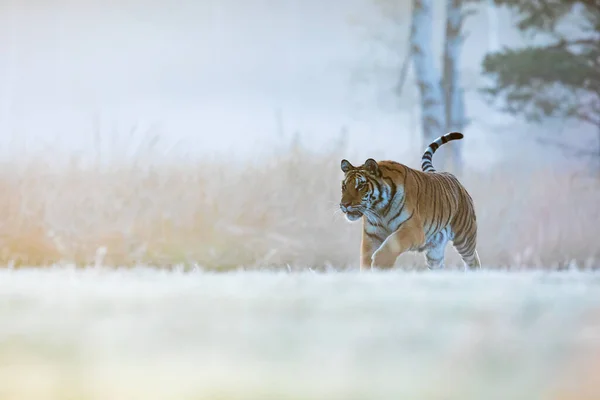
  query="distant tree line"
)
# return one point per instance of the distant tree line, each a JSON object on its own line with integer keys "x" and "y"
{"x": 560, "y": 79}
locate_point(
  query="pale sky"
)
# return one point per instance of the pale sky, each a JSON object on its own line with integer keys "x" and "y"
{"x": 211, "y": 74}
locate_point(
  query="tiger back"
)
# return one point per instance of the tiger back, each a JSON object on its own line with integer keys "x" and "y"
{"x": 403, "y": 209}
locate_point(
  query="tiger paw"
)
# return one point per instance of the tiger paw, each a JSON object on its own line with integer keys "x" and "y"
{"x": 382, "y": 259}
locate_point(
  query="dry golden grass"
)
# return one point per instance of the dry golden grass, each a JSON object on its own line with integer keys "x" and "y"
{"x": 281, "y": 211}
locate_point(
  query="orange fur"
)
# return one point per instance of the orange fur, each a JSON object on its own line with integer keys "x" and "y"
{"x": 404, "y": 209}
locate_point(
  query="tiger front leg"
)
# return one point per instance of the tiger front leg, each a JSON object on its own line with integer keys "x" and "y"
{"x": 410, "y": 235}
{"x": 369, "y": 243}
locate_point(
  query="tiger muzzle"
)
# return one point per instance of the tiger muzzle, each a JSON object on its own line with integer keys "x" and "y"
{"x": 350, "y": 210}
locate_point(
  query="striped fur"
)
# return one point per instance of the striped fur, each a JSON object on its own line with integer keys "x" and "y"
{"x": 404, "y": 209}
{"x": 426, "y": 164}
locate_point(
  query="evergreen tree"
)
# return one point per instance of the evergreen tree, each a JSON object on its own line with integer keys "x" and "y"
{"x": 558, "y": 79}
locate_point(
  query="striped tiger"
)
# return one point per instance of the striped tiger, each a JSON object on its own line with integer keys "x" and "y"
{"x": 404, "y": 209}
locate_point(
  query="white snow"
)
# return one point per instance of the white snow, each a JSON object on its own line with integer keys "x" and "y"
{"x": 148, "y": 334}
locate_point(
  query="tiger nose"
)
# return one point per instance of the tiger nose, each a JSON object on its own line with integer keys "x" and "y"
{"x": 344, "y": 206}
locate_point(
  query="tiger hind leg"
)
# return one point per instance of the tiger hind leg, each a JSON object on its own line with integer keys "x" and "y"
{"x": 436, "y": 248}
{"x": 474, "y": 263}
{"x": 468, "y": 252}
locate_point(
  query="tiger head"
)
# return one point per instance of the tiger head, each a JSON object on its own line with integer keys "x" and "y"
{"x": 359, "y": 188}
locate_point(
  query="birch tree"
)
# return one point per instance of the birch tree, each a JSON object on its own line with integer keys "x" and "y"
{"x": 442, "y": 100}
{"x": 441, "y": 95}
{"x": 433, "y": 121}
{"x": 454, "y": 101}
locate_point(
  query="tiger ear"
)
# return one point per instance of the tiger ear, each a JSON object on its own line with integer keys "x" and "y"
{"x": 346, "y": 166}
{"x": 371, "y": 167}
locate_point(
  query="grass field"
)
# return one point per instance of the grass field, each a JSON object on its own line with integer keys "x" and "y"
{"x": 280, "y": 210}
{"x": 142, "y": 333}
{"x": 130, "y": 304}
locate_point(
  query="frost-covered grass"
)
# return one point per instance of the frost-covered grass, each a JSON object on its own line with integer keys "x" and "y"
{"x": 148, "y": 334}
{"x": 281, "y": 209}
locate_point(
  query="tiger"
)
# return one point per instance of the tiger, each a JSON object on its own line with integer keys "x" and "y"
{"x": 404, "y": 209}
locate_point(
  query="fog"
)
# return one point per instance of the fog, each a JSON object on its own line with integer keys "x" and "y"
{"x": 230, "y": 77}
{"x": 170, "y": 217}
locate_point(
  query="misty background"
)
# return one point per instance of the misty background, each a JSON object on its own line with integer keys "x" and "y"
{"x": 234, "y": 78}
{"x": 210, "y": 132}
{"x": 146, "y": 145}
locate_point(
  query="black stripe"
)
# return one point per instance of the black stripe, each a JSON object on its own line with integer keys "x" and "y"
{"x": 445, "y": 190}
{"x": 469, "y": 238}
{"x": 458, "y": 242}
{"x": 448, "y": 218}
{"x": 444, "y": 139}
{"x": 451, "y": 212}
{"x": 434, "y": 212}
{"x": 466, "y": 245}
{"x": 470, "y": 244}
{"x": 393, "y": 192}
{"x": 394, "y": 167}
{"x": 379, "y": 198}
{"x": 471, "y": 241}
{"x": 374, "y": 236}
{"x": 459, "y": 229}
{"x": 465, "y": 251}
{"x": 434, "y": 146}
{"x": 427, "y": 158}
{"x": 397, "y": 214}
{"x": 433, "y": 200}
{"x": 454, "y": 136}
{"x": 370, "y": 183}
{"x": 419, "y": 183}
{"x": 408, "y": 219}
{"x": 467, "y": 226}
{"x": 393, "y": 188}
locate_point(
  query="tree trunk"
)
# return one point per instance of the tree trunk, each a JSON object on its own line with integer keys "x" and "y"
{"x": 453, "y": 93}
{"x": 493, "y": 32}
{"x": 428, "y": 79}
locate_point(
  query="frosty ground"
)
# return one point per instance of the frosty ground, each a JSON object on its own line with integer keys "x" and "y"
{"x": 145, "y": 333}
